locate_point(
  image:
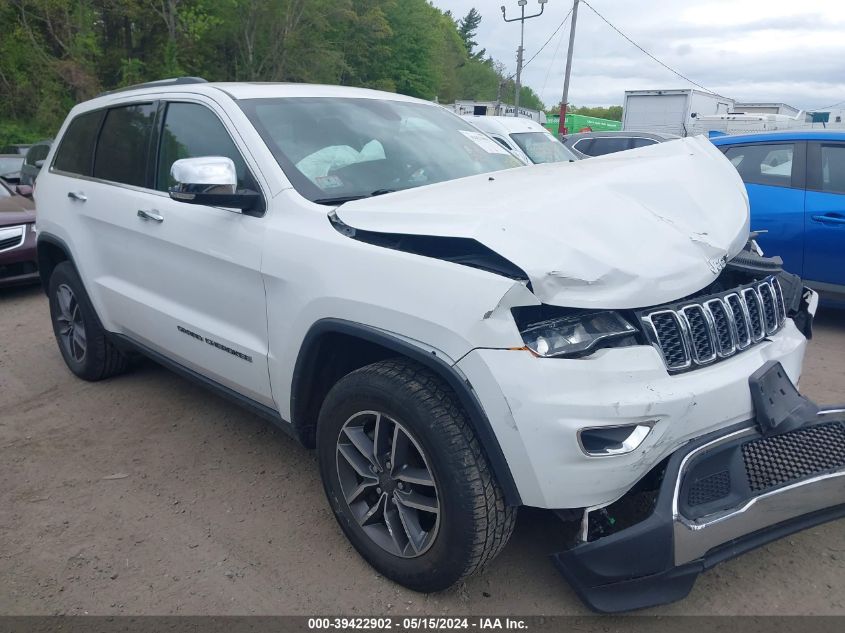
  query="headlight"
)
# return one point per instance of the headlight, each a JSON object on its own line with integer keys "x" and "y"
{"x": 574, "y": 334}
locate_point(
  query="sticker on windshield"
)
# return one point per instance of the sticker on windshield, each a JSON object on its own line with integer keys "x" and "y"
{"x": 485, "y": 142}
{"x": 328, "y": 182}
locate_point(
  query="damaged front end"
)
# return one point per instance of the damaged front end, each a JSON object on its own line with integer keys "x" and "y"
{"x": 716, "y": 498}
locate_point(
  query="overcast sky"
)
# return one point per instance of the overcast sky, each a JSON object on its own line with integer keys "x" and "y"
{"x": 757, "y": 50}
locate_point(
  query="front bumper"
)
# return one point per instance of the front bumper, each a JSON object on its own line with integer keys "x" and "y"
{"x": 720, "y": 496}
{"x": 19, "y": 265}
{"x": 538, "y": 405}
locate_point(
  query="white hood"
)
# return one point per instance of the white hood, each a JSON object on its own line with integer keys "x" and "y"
{"x": 626, "y": 230}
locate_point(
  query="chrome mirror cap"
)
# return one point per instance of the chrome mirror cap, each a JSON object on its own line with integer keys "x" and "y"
{"x": 205, "y": 174}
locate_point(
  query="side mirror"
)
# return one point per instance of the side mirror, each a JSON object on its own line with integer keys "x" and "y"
{"x": 39, "y": 163}
{"x": 211, "y": 181}
{"x": 24, "y": 190}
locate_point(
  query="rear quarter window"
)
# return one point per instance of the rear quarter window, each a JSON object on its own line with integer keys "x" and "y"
{"x": 639, "y": 141}
{"x": 76, "y": 149}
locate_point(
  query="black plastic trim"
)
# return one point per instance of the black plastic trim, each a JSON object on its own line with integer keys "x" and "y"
{"x": 305, "y": 369}
{"x": 49, "y": 238}
{"x": 634, "y": 568}
{"x": 126, "y": 343}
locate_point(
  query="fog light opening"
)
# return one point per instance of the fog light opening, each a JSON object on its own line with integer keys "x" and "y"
{"x": 608, "y": 441}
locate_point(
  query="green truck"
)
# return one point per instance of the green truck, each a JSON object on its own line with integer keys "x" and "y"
{"x": 579, "y": 122}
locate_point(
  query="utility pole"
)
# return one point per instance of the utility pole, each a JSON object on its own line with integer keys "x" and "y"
{"x": 564, "y": 102}
{"x": 521, "y": 49}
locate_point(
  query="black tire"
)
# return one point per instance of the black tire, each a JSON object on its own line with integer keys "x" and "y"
{"x": 100, "y": 358}
{"x": 474, "y": 521}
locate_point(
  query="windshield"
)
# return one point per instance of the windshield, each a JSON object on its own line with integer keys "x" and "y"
{"x": 542, "y": 147}
{"x": 334, "y": 150}
{"x": 10, "y": 164}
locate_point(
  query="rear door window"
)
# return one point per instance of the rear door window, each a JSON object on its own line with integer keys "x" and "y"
{"x": 76, "y": 150}
{"x": 763, "y": 164}
{"x": 36, "y": 153}
{"x": 124, "y": 144}
{"x": 833, "y": 169}
{"x": 602, "y": 145}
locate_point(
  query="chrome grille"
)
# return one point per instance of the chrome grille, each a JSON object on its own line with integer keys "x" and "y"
{"x": 699, "y": 332}
{"x": 12, "y": 237}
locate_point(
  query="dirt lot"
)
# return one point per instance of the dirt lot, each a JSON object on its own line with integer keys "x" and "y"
{"x": 147, "y": 495}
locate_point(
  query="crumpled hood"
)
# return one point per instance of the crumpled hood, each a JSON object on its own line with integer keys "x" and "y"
{"x": 626, "y": 230}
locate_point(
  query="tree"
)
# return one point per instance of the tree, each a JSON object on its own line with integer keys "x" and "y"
{"x": 613, "y": 113}
{"x": 467, "y": 29}
{"x": 55, "y": 53}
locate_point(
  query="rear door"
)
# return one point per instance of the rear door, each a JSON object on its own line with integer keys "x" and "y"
{"x": 774, "y": 175}
{"x": 824, "y": 220}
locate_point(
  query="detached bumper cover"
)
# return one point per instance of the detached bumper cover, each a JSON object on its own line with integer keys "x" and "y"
{"x": 721, "y": 496}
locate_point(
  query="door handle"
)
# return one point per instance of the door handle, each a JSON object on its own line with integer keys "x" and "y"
{"x": 829, "y": 219}
{"x": 150, "y": 215}
{"x": 77, "y": 195}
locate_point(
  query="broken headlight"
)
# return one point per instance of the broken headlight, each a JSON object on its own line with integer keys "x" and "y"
{"x": 575, "y": 334}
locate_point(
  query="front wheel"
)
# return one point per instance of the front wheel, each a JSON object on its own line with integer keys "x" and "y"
{"x": 83, "y": 342}
{"x": 406, "y": 477}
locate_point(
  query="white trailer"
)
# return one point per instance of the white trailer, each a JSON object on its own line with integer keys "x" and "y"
{"x": 670, "y": 111}
{"x": 495, "y": 108}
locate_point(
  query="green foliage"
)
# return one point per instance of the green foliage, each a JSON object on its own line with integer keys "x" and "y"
{"x": 12, "y": 133}
{"x": 613, "y": 113}
{"x": 55, "y": 53}
{"x": 467, "y": 28}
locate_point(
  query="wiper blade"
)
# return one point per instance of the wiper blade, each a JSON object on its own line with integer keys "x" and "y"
{"x": 342, "y": 199}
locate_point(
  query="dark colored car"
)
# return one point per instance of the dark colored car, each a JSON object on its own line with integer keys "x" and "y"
{"x": 10, "y": 168}
{"x": 34, "y": 160}
{"x": 587, "y": 144}
{"x": 796, "y": 186}
{"x": 17, "y": 148}
{"x": 18, "y": 262}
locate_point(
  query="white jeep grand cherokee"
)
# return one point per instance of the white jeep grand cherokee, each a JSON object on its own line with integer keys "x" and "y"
{"x": 455, "y": 337}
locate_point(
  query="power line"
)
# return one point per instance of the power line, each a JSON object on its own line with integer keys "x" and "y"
{"x": 828, "y": 107}
{"x": 666, "y": 66}
{"x": 559, "y": 27}
{"x": 549, "y": 68}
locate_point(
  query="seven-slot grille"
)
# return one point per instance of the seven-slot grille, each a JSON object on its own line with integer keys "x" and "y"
{"x": 702, "y": 331}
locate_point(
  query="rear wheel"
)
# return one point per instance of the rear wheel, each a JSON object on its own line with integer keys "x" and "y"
{"x": 406, "y": 477}
{"x": 83, "y": 342}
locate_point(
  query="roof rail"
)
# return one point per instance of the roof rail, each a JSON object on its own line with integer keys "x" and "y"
{"x": 173, "y": 81}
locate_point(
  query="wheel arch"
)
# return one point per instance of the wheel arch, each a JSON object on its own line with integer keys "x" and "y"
{"x": 319, "y": 366}
{"x": 51, "y": 251}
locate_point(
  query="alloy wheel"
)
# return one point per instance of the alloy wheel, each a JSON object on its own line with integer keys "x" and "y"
{"x": 70, "y": 325}
{"x": 387, "y": 484}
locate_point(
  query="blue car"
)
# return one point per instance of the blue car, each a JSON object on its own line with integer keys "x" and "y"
{"x": 796, "y": 184}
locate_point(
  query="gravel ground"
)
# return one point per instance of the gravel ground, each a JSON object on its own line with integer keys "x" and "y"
{"x": 147, "y": 495}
